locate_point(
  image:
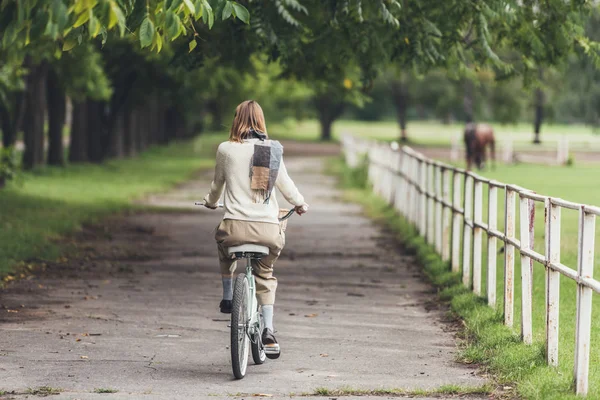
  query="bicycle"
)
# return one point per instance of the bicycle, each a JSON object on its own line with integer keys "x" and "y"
{"x": 246, "y": 319}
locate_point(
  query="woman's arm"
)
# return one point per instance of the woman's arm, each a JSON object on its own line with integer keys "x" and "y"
{"x": 211, "y": 200}
{"x": 288, "y": 188}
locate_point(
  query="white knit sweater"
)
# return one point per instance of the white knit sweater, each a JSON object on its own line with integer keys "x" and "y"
{"x": 232, "y": 173}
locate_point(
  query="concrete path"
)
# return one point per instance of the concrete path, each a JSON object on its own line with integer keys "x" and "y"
{"x": 137, "y": 312}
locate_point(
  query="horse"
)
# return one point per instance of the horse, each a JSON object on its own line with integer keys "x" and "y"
{"x": 477, "y": 137}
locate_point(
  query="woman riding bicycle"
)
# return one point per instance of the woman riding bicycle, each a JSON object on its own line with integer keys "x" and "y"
{"x": 248, "y": 168}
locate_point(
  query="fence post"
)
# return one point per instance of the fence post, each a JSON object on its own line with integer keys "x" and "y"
{"x": 430, "y": 204}
{"x": 509, "y": 256}
{"x": 552, "y": 255}
{"x": 438, "y": 208}
{"x": 446, "y": 215}
{"x": 467, "y": 230}
{"x": 401, "y": 172}
{"x": 587, "y": 233}
{"x": 477, "y": 236}
{"x": 527, "y": 218}
{"x": 491, "y": 245}
{"x": 423, "y": 197}
{"x": 456, "y": 221}
{"x": 412, "y": 193}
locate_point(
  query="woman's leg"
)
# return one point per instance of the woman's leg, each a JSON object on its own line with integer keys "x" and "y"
{"x": 226, "y": 234}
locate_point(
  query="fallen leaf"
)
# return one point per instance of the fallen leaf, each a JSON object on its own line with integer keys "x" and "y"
{"x": 311, "y": 315}
{"x": 78, "y": 340}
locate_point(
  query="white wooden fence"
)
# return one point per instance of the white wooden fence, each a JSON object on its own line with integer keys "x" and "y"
{"x": 440, "y": 199}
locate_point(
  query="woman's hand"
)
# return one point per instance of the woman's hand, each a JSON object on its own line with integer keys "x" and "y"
{"x": 302, "y": 209}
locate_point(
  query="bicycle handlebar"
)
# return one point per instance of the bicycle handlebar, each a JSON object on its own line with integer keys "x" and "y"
{"x": 286, "y": 216}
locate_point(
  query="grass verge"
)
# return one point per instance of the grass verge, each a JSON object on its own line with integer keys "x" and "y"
{"x": 52, "y": 202}
{"x": 446, "y": 390}
{"x": 495, "y": 346}
{"x": 105, "y": 390}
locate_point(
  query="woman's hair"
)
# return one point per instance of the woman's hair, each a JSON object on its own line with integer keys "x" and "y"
{"x": 248, "y": 115}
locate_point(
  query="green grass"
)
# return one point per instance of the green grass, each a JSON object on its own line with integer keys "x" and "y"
{"x": 105, "y": 390}
{"x": 53, "y": 202}
{"x": 493, "y": 344}
{"x": 431, "y": 133}
{"x": 44, "y": 391}
{"x": 453, "y": 390}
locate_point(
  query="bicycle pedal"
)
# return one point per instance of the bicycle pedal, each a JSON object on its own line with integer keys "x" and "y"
{"x": 272, "y": 351}
{"x": 272, "y": 348}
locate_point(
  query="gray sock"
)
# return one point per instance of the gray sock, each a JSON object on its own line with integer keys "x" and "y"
{"x": 227, "y": 288}
{"x": 267, "y": 312}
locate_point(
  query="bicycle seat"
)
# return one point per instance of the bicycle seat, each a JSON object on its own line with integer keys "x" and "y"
{"x": 248, "y": 250}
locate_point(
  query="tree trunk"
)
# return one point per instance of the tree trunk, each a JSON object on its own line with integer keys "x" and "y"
{"x": 116, "y": 145}
{"x": 57, "y": 108}
{"x": 11, "y": 118}
{"x": 215, "y": 109}
{"x": 468, "y": 101}
{"x": 328, "y": 111}
{"x": 539, "y": 109}
{"x": 128, "y": 132}
{"x": 33, "y": 127}
{"x": 400, "y": 99}
{"x": 96, "y": 129}
{"x": 78, "y": 149}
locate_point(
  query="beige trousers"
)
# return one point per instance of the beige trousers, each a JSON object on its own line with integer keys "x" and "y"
{"x": 231, "y": 232}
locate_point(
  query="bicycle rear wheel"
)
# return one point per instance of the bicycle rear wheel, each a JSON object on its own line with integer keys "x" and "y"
{"x": 240, "y": 317}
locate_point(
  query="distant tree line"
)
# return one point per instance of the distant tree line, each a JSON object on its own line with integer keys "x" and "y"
{"x": 144, "y": 72}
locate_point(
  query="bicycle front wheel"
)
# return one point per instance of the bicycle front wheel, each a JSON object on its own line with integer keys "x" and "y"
{"x": 240, "y": 342}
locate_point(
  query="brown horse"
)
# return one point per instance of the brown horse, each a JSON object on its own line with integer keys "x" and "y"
{"x": 477, "y": 138}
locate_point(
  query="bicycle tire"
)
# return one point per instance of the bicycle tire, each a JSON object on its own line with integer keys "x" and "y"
{"x": 239, "y": 320}
{"x": 258, "y": 352}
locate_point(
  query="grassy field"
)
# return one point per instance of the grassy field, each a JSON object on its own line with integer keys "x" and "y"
{"x": 55, "y": 201}
{"x": 436, "y": 134}
{"x": 525, "y": 365}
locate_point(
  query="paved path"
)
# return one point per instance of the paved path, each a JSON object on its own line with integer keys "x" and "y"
{"x": 137, "y": 312}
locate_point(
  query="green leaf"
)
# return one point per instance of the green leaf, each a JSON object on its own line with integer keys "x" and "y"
{"x": 227, "y": 10}
{"x": 174, "y": 4}
{"x": 116, "y": 12}
{"x": 83, "y": 18}
{"x": 192, "y": 45}
{"x": 208, "y": 12}
{"x": 241, "y": 12}
{"x": 146, "y": 32}
{"x": 172, "y": 25}
{"x": 159, "y": 42}
{"x": 69, "y": 44}
{"x": 190, "y": 6}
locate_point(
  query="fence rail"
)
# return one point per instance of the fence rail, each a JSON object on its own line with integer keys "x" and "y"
{"x": 439, "y": 200}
